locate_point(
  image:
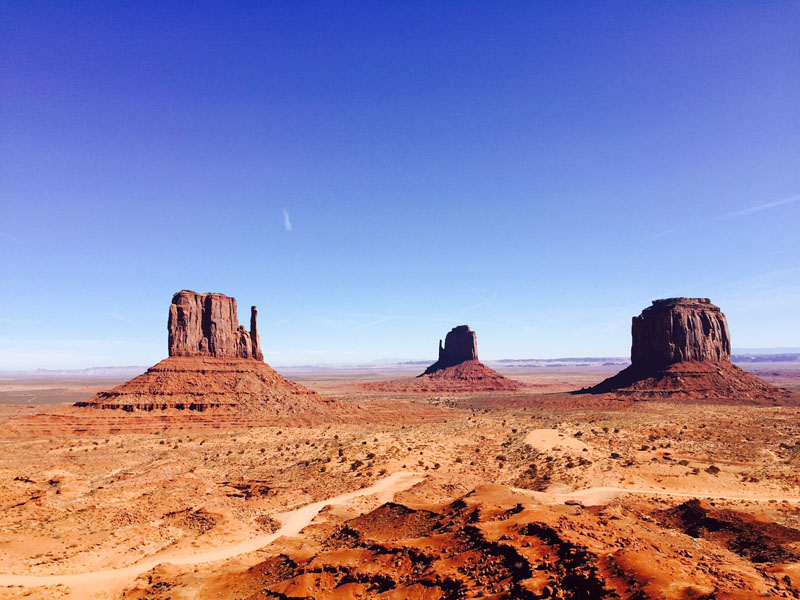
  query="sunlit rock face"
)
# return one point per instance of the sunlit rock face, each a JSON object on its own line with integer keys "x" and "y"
{"x": 207, "y": 325}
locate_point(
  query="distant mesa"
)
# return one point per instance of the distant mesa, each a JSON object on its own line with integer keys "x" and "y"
{"x": 457, "y": 370}
{"x": 682, "y": 348}
{"x": 213, "y": 363}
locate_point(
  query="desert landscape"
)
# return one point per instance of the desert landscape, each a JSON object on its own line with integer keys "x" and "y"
{"x": 211, "y": 476}
{"x": 345, "y": 300}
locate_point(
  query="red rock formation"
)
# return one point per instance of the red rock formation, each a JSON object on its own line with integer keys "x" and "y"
{"x": 202, "y": 383}
{"x": 460, "y": 344}
{"x": 207, "y": 325}
{"x": 682, "y": 348}
{"x": 213, "y": 363}
{"x": 505, "y": 545}
{"x": 457, "y": 370}
{"x": 679, "y": 329}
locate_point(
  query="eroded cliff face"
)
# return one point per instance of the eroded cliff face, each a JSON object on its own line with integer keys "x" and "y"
{"x": 214, "y": 364}
{"x": 682, "y": 349}
{"x": 207, "y": 325}
{"x": 677, "y": 330}
{"x": 460, "y": 345}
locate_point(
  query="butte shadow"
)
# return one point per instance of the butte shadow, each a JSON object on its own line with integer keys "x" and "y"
{"x": 457, "y": 370}
{"x": 214, "y": 363}
{"x": 681, "y": 348}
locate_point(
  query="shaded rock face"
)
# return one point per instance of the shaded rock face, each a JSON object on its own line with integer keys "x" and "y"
{"x": 677, "y": 330}
{"x": 207, "y": 325}
{"x": 460, "y": 345}
{"x": 682, "y": 349}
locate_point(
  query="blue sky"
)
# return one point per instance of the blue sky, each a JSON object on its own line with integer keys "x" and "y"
{"x": 371, "y": 174}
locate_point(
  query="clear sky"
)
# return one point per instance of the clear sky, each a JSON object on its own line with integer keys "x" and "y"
{"x": 371, "y": 174}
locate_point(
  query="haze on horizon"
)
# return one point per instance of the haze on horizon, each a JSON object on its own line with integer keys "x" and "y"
{"x": 371, "y": 175}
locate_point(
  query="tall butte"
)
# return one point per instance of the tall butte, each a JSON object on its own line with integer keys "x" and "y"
{"x": 682, "y": 348}
{"x": 457, "y": 370}
{"x": 214, "y": 363}
{"x": 207, "y": 325}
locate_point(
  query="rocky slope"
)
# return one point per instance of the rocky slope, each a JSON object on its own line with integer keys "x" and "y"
{"x": 202, "y": 383}
{"x": 495, "y": 543}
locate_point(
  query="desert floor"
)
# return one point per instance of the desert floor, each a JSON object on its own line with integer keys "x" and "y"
{"x": 184, "y": 509}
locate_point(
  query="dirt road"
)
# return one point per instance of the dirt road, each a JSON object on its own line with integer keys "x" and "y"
{"x": 106, "y": 583}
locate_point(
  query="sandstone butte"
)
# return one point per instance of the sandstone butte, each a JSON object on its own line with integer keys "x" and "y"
{"x": 213, "y": 363}
{"x": 681, "y": 348}
{"x": 457, "y": 370}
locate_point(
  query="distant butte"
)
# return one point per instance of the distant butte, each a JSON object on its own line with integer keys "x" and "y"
{"x": 457, "y": 370}
{"x": 213, "y": 363}
{"x": 681, "y": 348}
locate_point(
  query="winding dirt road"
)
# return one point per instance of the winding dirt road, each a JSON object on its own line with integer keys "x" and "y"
{"x": 104, "y": 583}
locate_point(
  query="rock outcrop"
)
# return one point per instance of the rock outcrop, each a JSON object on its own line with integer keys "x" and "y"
{"x": 460, "y": 344}
{"x": 677, "y": 330}
{"x": 682, "y": 349}
{"x": 207, "y": 325}
{"x": 457, "y": 370}
{"x": 214, "y": 363}
{"x": 503, "y": 544}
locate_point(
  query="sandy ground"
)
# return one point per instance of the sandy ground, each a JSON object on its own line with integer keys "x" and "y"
{"x": 102, "y": 583}
{"x": 101, "y": 516}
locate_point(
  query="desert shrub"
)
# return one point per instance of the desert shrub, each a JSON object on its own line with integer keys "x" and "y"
{"x": 712, "y": 469}
{"x": 356, "y": 464}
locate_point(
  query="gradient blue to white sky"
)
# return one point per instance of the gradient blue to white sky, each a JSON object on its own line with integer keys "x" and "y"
{"x": 371, "y": 174}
